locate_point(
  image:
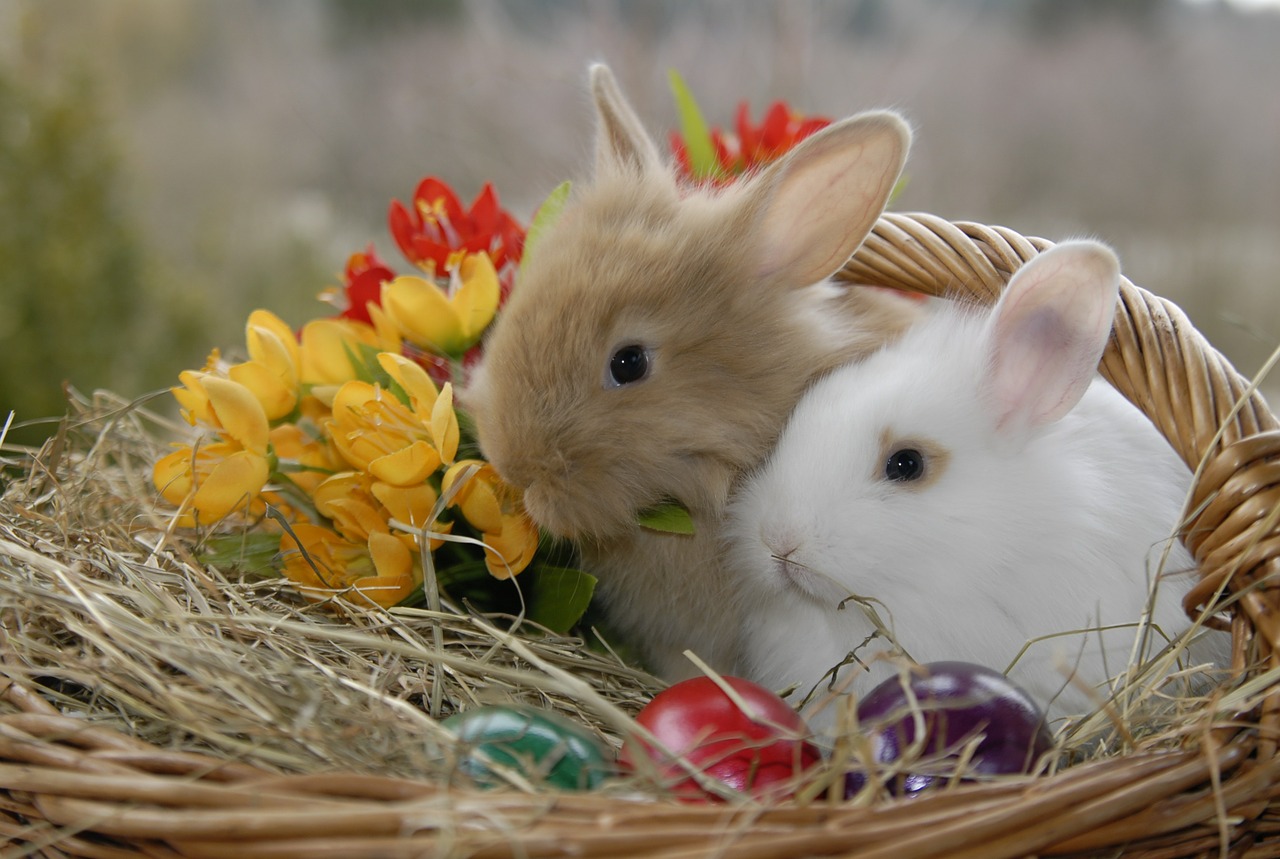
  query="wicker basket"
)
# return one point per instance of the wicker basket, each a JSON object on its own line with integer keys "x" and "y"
{"x": 71, "y": 790}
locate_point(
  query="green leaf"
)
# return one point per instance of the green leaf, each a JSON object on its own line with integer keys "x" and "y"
{"x": 560, "y": 597}
{"x": 669, "y": 516}
{"x": 359, "y": 358}
{"x": 697, "y": 139}
{"x": 546, "y": 215}
{"x": 251, "y": 552}
{"x": 898, "y": 188}
{"x": 364, "y": 363}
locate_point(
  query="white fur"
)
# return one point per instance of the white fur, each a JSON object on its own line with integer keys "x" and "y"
{"x": 1026, "y": 532}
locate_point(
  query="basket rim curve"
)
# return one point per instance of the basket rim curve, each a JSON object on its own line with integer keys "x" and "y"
{"x": 1213, "y": 417}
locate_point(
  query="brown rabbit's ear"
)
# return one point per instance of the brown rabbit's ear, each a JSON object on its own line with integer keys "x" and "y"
{"x": 621, "y": 141}
{"x": 818, "y": 202}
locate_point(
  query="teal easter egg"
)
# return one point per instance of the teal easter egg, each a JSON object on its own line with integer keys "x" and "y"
{"x": 544, "y": 747}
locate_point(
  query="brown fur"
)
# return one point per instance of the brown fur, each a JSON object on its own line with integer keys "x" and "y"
{"x": 727, "y": 301}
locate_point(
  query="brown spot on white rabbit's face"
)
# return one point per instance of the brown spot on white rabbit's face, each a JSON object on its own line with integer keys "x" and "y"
{"x": 638, "y": 263}
{"x": 910, "y": 462}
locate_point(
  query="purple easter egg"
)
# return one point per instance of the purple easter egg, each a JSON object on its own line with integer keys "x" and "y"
{"x": 956, "y": 701}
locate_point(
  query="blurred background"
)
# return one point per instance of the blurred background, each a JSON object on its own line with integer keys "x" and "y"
{"x": 166, "y": 166}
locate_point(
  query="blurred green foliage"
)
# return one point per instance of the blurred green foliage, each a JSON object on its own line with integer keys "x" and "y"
{"x": 70, "y": 260}
{"x": 366, "y": 18}
{"x": 88, "y": 296}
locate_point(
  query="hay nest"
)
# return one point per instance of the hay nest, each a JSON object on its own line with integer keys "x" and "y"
{"x": 151, "y": 704}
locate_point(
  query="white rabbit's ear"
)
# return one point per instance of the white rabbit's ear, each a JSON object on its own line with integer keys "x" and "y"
{"x": 819, "y": 201}
{"x": 621, "y": 141}
{"x": 1048, "y": 332}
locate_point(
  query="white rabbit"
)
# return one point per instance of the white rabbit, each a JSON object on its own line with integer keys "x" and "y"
{"x": 983, "y": 486}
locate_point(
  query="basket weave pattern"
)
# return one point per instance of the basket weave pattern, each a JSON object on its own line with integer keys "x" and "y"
{"x": 74, "y": 790}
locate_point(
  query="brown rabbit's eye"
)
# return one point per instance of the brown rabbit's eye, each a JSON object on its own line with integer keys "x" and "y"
{"x": 904, "y": 465}
{"x": 629, "y": 364}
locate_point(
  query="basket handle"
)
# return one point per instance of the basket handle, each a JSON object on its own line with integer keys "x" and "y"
{"x": 1163, "y": 365}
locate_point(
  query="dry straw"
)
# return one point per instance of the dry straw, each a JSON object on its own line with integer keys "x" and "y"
{"x": 152, "y": 705}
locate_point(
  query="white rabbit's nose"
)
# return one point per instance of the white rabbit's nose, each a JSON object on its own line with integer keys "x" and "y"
{"x": 791, "y": 565}
{"x": 780, "y": 540}
{"x": 783, "y": 555}
{"x": 782, "y": 546}
{"x": 788, "y": 570}
{"x": 778, "y": 536}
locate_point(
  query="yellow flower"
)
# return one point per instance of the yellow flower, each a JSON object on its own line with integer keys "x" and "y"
{"x": 494, "y": 508}
{"x": 271, "y": 372}
{"x": 193, "y": 401}
{"x": 397, "y": 444}
{"x": 227, "y": 406}
{"x": 345, "y": 499}
{"x": 378, "y": 434}
{"x": 360, "y": 507}
{"x": 412, "y": 506}
{"x": 385, "y": 329}
{"x": 306, "y": 460}
{"x": 380, "y": 571}
{"x": 325, "y": 346}
{"x": 445, "y": 322}
{"x": 316, "y": 412}
{"x": 209, "y": 481}
{"x": 434, "y": 408}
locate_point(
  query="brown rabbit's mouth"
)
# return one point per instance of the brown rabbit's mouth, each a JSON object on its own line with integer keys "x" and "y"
{"x": 573, "y": 515}
{"x": 545, "y": 508}
{"x": 569, "y": 502}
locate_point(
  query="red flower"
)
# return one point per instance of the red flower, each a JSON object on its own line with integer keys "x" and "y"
{"x": 754, "y": 145}
{"x": 435, "y": 235}
{"x": 436, "y": 227}
{"x": 362, "y": 284}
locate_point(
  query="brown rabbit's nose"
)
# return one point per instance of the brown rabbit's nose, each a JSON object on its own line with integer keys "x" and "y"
{"x": 509, "y": 474}
{"x": 519, "y": 474}
{"x": 524, "y": 475}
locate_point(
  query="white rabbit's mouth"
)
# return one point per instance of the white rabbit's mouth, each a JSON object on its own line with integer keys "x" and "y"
{"x": 795, "y": 575}
{"x": 792, "y": 574}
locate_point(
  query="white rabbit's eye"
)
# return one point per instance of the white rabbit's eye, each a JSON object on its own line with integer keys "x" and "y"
{"x": 904, "y": 465}
{"x": 629, "y": 364}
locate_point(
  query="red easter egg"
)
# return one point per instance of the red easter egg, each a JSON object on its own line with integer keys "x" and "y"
{"x": 757, "y": 749}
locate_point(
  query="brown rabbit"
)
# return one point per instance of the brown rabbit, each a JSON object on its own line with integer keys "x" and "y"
{"x": 655, "y": 345}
